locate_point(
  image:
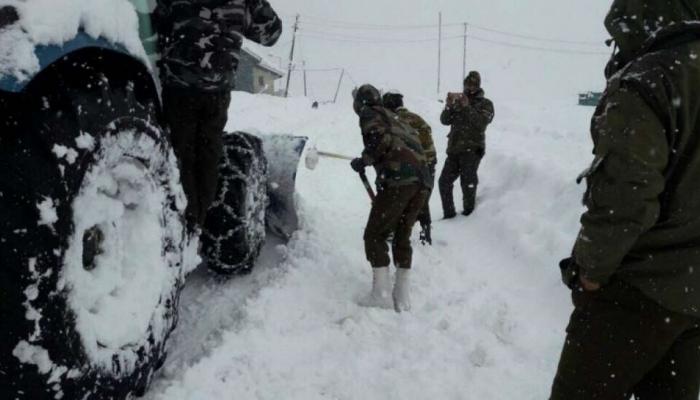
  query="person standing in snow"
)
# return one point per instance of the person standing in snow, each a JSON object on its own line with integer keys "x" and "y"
{"x": 403, "y": 184}
{"x": 635, "y": 269}
{"x": 200, "y": 42}
{"x": 468, "y": 116}
{"x": 394, "y": 102}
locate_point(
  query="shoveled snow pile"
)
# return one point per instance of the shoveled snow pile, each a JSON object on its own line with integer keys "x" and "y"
{"x": 489, "y": 310}
{"x": 53, "y": 22}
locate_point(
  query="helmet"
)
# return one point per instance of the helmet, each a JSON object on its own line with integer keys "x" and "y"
{"x": 366, "y": 96}
{"x": 392, "y": 100}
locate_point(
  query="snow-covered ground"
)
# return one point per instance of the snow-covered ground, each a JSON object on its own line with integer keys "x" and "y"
{"x": 489, "y": 310}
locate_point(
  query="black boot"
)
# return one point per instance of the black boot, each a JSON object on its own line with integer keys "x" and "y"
{"x": 425, "y": 236}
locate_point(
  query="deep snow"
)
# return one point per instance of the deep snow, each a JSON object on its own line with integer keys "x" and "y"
{"x": 488, "y": 307}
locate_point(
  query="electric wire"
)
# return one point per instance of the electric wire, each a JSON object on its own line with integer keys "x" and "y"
{"x": 322, "y": 22}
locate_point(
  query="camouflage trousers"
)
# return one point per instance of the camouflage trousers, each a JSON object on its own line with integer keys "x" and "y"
{"x": 394, "y": 210}
{"x": 424, "y": 217}
{"x": 462, "y": 166}
{"x": 620, "y": 343}
{"x": 196, "y": 121}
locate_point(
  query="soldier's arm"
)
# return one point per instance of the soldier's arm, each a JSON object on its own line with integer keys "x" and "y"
{"x": 446, "y": 117}
{"x": 481, "y": 114}
{"x": 265, "y": 26}
{"x": 624, "y": 184}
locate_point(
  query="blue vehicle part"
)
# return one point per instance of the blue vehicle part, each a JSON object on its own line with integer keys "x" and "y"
{"x": 48, "y": 54}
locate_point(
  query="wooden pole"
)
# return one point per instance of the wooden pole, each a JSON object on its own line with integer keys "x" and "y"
{"x": 464, "y": 59}
{"x": 340, "y": 81}
{"x": 291, "y": 56}
{"x": 439, "y": 51}
{"x": 304, "y": 66}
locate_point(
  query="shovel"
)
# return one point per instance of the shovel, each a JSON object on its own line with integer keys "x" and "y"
{"x": 313, "y": 156}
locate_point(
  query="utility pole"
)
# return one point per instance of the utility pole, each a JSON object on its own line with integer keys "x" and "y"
{"x": 291, "y": 56}
{"x": 303, "y": 65}
{"x": 342, "y": 74}
{"x": 464, "y": 59}
{"x": 439, "y": 51}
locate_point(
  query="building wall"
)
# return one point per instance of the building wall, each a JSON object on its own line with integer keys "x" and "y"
{"x": 245, "y": 76}
{"x": 264, "y": 81}
{"x": 253, "y": 79}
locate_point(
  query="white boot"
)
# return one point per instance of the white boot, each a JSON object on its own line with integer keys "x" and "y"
{"x": 402, "y": 297}
{"x": 380, "y": 297}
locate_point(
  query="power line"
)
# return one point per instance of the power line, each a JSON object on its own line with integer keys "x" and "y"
{"x": 344, "y": 25}
{"x": 367, "y": 39}
{"x": 337, "y": 23}
{"x": 537, "y": 48}
{"x": 535, "y": 38}
{"x": 316, "y": 35}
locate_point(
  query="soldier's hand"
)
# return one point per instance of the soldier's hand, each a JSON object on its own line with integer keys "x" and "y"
{"x": 589, "y": 285}
{"x": 358, "y": 165}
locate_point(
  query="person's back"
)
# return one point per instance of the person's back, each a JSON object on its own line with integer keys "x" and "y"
{"x": 403, "y": 183}
{"x": 425, "y": 133}
{"x": 658, "y": 245}
{"x": 399, "y": 152}
{"x": 633, "y": 272}
{"x": 393, "y": 100}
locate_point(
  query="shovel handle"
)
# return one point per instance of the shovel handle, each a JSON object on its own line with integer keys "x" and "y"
{"x": 368, "y": 186}
{"x": 334, "y": 155}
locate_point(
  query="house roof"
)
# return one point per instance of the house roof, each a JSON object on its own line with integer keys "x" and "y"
{"x": 261, "y": 61}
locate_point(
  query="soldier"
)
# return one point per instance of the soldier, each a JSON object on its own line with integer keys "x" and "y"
{"x": 403, "y": 184}
{"x": 635, "y": 269}
{"x": 468, "y": 115}
{"x": 200, "y": 42}
{"x": 394, "y": 102}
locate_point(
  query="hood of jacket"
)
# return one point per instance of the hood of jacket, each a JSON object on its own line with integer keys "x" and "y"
{"x": 633, "y": 24}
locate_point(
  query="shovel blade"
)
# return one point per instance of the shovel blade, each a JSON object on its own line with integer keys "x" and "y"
{"x": 283, "y": 153}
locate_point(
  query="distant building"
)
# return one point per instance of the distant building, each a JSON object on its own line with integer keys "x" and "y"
{"x": 589, "y": 98}
{"x": 255, "y": 74}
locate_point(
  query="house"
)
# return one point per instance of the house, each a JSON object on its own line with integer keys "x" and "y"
{"x": 255, "y": 73}
{"x": 589, "y": 98}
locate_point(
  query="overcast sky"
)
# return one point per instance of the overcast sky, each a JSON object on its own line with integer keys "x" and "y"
{"x": 395, "y": 58}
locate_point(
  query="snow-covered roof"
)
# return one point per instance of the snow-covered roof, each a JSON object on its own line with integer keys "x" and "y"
{"x": 55, "y": 22}
{"x": 262, "y": 58}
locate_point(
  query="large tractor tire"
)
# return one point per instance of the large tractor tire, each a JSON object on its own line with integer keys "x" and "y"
{"x": 234, "y": 231}
{"x": 92, "y": 235}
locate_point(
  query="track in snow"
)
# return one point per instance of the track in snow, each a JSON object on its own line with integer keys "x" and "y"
{"x": 488, "y": 307}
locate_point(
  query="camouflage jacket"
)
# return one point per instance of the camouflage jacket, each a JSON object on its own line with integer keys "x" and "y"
{"x": 425, "y": 133}
{"x": 393, "y": 148}
{"x": 642, "y": 223}
{"x": 200, "y": 40}
{"x": 468, "y": 124}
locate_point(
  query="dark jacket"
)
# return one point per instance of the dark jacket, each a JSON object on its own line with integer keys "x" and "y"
{"x": 468, "y": 123}
{"x": 200, "y": 40}
{"x": 425, "y": 133}
{"x": 393, "y": 148}
{"x": 643, "y": 197}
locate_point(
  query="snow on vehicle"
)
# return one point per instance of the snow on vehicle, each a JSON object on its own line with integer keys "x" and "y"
{"x": 93, "y": 244}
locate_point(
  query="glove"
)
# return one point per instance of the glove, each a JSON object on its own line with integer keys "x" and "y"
{"x": 569, "y": 272}
{"x": 358, "y": 165}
